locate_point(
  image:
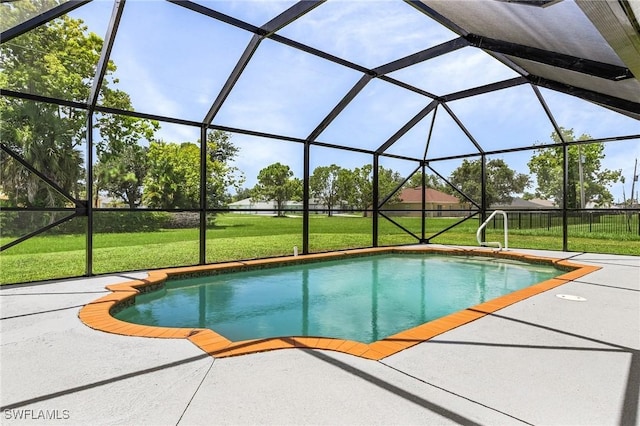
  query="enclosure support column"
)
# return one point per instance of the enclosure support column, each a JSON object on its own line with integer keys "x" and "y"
{"x": 203, "y": 195}
{"x": 424, "y": 203}
{"x": 565, "y": 191}
{"x": 483, "y": 193}
{"x": 305, "y": 200}
{"x": 375, "y": 201}
{"x": 89, "y": 211}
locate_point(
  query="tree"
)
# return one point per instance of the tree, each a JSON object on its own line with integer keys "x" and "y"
{"x": 241, "y": 194}
{"x": 388, "y": 181}
{"x": 276, "y": 182}
{"x": 324, "y": 183}
{"x": 122, "y": 162}
{"x": 431, "y": 181}
{"x": 221, "y": 175}
{"x": 547, "y": 165}
{"x": 173, "y": 174}
{"x": 501, "y": 181}
{"x": 355, "y": 186}
{"x": 122, "y": 175}
{"x": 58, "y": 59}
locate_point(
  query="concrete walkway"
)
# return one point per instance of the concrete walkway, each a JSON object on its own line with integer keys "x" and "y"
{"x": 544, "y": 360}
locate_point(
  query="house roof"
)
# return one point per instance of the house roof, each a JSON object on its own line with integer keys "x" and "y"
{"x": 541, "y": 202}
{"x": 413, "y": 195}
{"x": 518, "y": 202}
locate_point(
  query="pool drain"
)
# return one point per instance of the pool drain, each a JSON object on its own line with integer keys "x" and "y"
{"x": 571, "y": 297}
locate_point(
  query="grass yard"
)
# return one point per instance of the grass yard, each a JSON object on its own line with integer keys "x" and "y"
{"x": 238, "y": 236}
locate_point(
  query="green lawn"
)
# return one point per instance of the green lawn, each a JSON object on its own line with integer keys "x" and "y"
{"x": 250, "y": 236}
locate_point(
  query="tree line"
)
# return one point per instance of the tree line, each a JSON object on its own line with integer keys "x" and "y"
{"x": 332, "y": 186}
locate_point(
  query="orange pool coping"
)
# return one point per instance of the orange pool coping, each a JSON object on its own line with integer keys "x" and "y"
{"x": 97, "y": 314}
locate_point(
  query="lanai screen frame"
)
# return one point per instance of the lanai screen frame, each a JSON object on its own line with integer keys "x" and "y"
{"x": 498, "y": 49}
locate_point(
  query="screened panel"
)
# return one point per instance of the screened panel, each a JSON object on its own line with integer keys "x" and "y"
{"x": 51, "y": 140}
{"x": 452, "y": 230}
{"x": 59, "y": 252}
{"x": 594, "y": 185}
{"x": 448, "y": 139}
{"x": 525, "y": 124}
{"x": 462, "y": 175}
{"x": 58, "y": 59}
{"x": 157, "y": 239}
{"x": 223, "y": 179}
{"x": 339, "y": 184}
{"x": 512, "y": 180}
{"x": 172, "y": 179}
{"x": 389, "y": 233}
{"x": 547, "y": 178}
{"x": 393, "y": 177}
{"x": 346, "y": 181}
{"x": 587, "y": 118}
{"x": 17, "y": 12}
{"x": 18, "y": 223}
{"x": 21, "y": 187}
{"x": 378, "y": 111}
{"x": 232, "y": 236}
{"x": 285, "y": 91}
{"x": 622, "y": 155}
{"x": 413, "y": 143}
{"x": 153, "y": 36}
{"x": 340, "y": 232}
{"x": 455, "y": 71}
{"x": 528, "y": 229}
{"x": 268, "y": 176}
{"x": 121, "y": 160}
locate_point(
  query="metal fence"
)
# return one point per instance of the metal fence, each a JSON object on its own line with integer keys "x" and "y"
{"x": 595, "y": 221}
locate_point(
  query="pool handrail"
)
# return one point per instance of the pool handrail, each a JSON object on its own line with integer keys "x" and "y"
{"x": 506, "y": 231}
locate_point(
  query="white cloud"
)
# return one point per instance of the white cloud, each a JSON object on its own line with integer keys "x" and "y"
{"x": 369, "y": 36}
{"x": 257, "y": 153}
{"x": 146, "y": 94}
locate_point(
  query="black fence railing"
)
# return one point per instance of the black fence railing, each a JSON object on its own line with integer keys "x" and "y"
{"x": 594, "y": 221}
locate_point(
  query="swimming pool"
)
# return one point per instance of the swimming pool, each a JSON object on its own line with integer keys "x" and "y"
{"x": 301, "y": 302}
{"x": 363, "y": 299}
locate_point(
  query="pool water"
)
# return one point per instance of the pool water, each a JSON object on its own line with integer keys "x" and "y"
{"x": 363, "y": 298}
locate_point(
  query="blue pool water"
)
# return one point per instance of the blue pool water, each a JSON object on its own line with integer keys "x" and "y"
{"x": 363, "y": 299}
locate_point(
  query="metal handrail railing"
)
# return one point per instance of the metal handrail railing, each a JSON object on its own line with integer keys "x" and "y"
{"x": 506, "y": 231}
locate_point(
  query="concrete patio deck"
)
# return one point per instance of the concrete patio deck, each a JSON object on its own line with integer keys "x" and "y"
{"x": 543, "y": 360}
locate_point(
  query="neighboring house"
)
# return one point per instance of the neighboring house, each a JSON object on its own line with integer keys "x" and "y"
{"x": 535, "y": 203}
{"x": 521, "y": 204}
{"x": 440, "y": 203}
{"x": 546, "y": 204}
{"x": 266, "y": 207}
{"x": 105, "y": 202}
{"x": 251, "y": 206}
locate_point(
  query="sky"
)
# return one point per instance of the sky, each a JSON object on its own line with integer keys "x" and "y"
{"x": 174, "y": 62}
